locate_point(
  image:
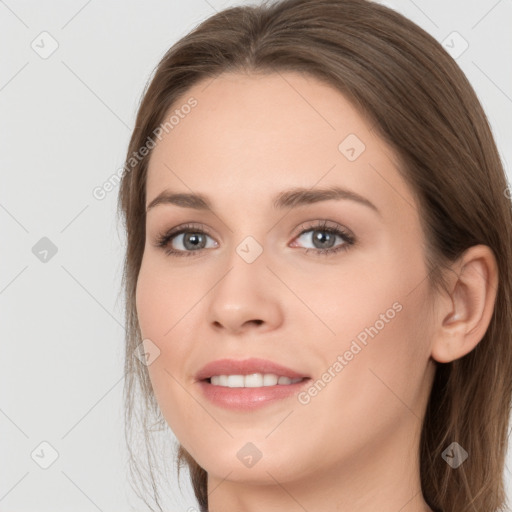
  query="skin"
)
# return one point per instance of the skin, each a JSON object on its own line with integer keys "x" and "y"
{"x": 354, "y": 445}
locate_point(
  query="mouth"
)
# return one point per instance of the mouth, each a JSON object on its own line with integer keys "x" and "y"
{"x": 248, "y": 384}
{"x": 253, "y": 380}
{"x": 256, "y": 370}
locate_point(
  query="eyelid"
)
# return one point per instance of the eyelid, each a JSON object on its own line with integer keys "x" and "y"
{"x": 305, "y": 226}
{"x": 326, "y": 224}
{"x": 187, "y": 227}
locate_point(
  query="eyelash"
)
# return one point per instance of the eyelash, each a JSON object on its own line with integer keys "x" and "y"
{"x": 163, "y": 240}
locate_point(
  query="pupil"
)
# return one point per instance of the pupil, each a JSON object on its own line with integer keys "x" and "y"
{"x": 321, "y": 236}
{"x": 192, "y": 239}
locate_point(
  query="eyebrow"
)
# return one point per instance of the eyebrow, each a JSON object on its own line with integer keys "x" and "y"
{"x": 291, "y": 198}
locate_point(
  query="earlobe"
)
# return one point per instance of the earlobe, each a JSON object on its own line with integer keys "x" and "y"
{"x": 465, "y": 314}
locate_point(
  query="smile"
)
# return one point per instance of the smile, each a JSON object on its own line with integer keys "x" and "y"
{"x": 253, "y": 380}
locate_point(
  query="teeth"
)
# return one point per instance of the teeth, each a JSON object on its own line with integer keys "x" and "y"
{"x": 253, "y": 380}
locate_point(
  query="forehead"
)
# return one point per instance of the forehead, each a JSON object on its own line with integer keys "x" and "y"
{"x": 250, "y": 136}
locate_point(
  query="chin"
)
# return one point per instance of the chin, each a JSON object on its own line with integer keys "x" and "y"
{"x": 236, "y": 465}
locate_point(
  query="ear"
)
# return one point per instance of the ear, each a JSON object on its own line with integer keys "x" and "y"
{"x": 464, "y": 315}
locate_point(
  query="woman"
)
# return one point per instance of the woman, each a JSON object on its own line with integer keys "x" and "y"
{"x": 318, "y": 265}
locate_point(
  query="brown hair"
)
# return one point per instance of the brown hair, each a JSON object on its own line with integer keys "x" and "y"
{"x": 420, "y": 103}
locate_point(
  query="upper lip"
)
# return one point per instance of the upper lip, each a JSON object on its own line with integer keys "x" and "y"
{"x": 245, "y": 367}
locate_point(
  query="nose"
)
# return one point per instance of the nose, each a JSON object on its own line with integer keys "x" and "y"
{"x": 247, "y": 297}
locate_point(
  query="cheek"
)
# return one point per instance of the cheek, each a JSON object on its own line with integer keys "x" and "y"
{"x": 161, "y": 300}
{"x": 383, "y": 336}
{"x": 156, "y": 306}
{"x": 379, "y": 382}
{"x": 160, "y": 311}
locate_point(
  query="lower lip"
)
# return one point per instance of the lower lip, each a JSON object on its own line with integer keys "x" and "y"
{"x": 249, "y": 398}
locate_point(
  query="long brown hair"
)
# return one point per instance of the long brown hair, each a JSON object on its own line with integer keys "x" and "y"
{"x": 420, "y": 102}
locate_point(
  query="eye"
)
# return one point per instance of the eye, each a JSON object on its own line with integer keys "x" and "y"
{"x": 193, "y": 239}
{"x": 324, "y": 237}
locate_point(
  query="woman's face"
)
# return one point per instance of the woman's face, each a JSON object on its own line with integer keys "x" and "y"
{"x": 353, "y": 322}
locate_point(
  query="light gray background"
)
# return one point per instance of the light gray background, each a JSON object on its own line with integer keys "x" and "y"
{"x": 66, "y": 120}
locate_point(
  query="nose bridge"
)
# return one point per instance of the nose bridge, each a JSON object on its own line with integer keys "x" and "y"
{"x": 243, "y": 293}
{"x": 246, "y": 268}
{"x": 248, "y": 235}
